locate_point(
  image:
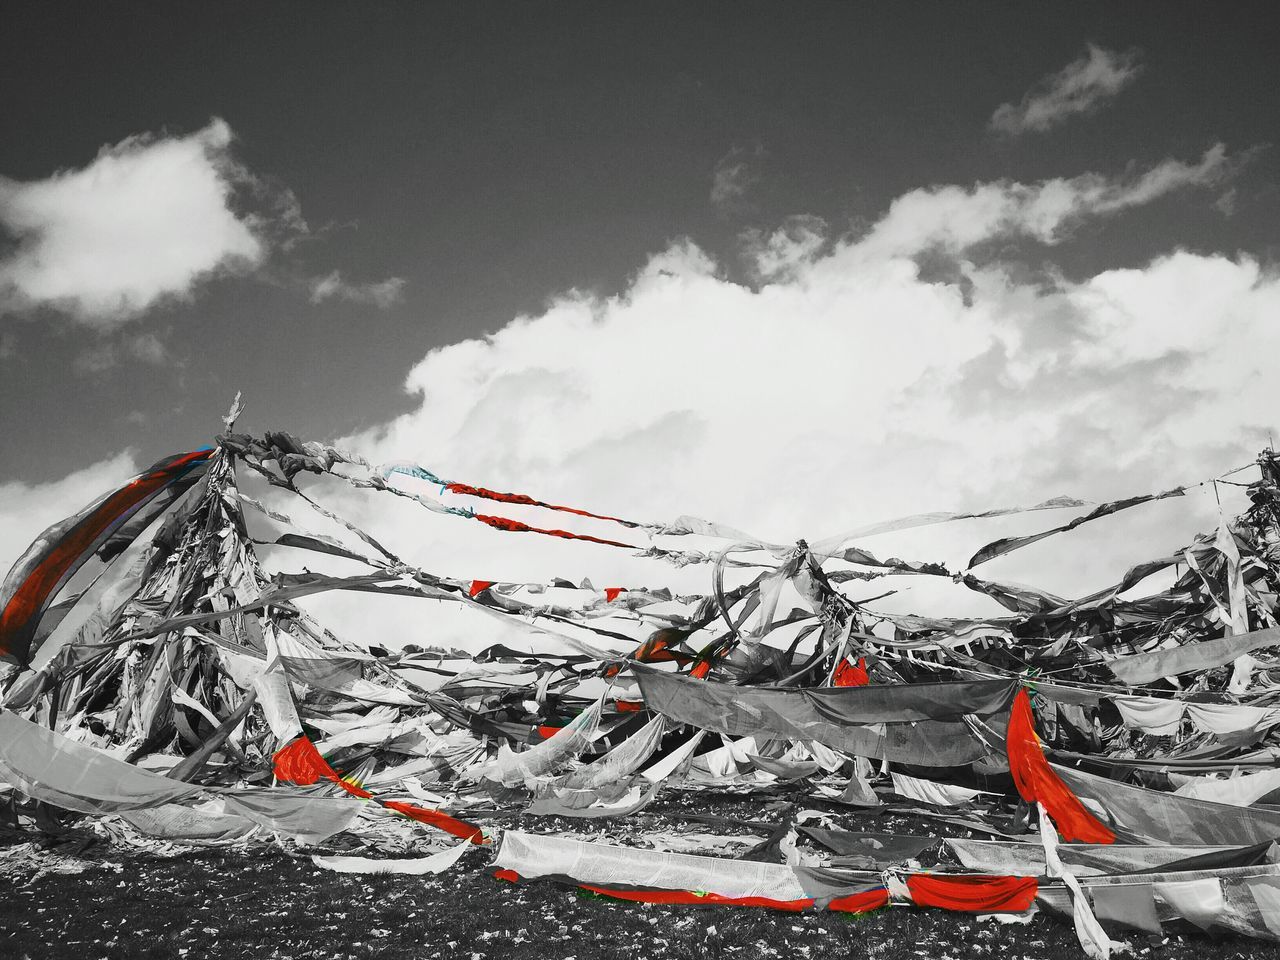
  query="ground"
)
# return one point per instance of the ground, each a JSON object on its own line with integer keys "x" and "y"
{"x": 268, "y": 902}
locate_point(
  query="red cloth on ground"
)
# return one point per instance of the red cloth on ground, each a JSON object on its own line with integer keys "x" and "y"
{"x": 479, "y": 586}
{"x": 436, "y": 818}
{"x": 611, "y": 593}
{"x": 973, "y": 894}
{"x": 847, "y": 675}
{"x": 1036, "y": 781}
{"x": 301, "y": 763}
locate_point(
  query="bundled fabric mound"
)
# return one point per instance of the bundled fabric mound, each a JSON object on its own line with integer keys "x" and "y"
{"x": 1117, "y": 752}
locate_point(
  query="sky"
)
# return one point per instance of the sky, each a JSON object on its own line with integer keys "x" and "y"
{"x": 790, "y": 267}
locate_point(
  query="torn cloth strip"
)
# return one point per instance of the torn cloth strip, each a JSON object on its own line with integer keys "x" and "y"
{"x": 438, "y": 819}
{"x": 1191, "y": 657}
{"x": 864, "y": 901}
{"x": 48, "y": 766}
{"x": 1166, "y": 818}
{"x": 973, "y": 894}
{"x": 1000, "y": 547}
{"x": 301, "y": 763}
{"x": 536, "y": 855}
{"x": 417, "y": 866}
{"x": 871, "y": 850}
{"x": 848, "y": 719}
{"x": 60, "y": 550}
{"x": 304, "y": 815}
{"x": 1037, "y": 783}
{"x": 848, "y": 675}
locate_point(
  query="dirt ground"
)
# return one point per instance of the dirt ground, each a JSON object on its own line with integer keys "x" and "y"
{"x": 266, "y": 902}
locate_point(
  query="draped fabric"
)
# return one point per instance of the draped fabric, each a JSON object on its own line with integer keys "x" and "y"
{"x": 48, "y": 766}
{"x": 59, "y": 551}
{"x": 848, "y": 675}
{"x": 909, "y": 723}
{"x": 620, "y": 762}
{"x": 932, "y": 792}
{"x": 1037, "y": 783}
{"x": 301, "y": 763}
{"x": 1087, "y": 859}
{"x": 973, "y": 894}
{"x": 1242, "y": 791}
{"x": 203, "y": 823}
{"x": 1190, "y": 657}
{"x": 306, "y": 816}
{"x": 1158, "y": 817}
{"x": 414, "y": 867}
{"x": 529, "y": 766}
{"x": 871, "y": 850}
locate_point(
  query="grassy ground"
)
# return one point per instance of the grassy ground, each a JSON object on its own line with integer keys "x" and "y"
{"x": 266, "y": 903}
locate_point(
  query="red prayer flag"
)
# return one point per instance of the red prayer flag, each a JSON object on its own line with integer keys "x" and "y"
{"x": 1036, "y": 781}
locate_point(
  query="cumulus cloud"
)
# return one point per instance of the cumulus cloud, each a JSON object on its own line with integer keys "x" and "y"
{"x": 956, "y": 218}
{"x": 381, "y": 293}
{"x": 146, "y": 220}
{"x": 1079, "y": 88}
{"x": 913, "y": 366}
{"x": 849, "y": 385}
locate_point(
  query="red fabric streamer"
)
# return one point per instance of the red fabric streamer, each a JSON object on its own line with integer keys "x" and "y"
{"x": 700, "y": 670}
{"x": 436, "y": 818}
{"x": 301, "y": 763}
{"x": 854, "y": 903}
{"x": 515, "y": 526}
{"x": 546, "y": 732}
{"x": 861, "y": 902}
{"x": 611, "y": 593}
{"x": 847, "y": 675}
{"x": 520, "y": 498}
{"x": 973, "y": 894}
{"x": 478, "y": 587}
{"x": 630, "y": 706}
{"x": 71, "y": 542}
{"x": 1036, "y": 781}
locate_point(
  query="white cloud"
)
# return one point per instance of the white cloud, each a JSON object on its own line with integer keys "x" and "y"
{"x": 381, "y": 293}
{"x": 955, "y": 218}
{"x": 847, "y": 385}
{"x": 145, "y": 221}
{"x": 1078, "y": 88}
{"x": 851, "y": 387}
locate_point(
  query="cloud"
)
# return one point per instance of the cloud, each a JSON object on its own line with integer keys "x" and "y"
{"x": 917, "y": 365}
{"x": 26, "y": 510}
{"x": 735, "y": 174}
{"x": 381, "y": 294}
{"x": 954, "y": 218}
{"x": 146, "y": 221}
{"x": 850, "y": 384}
{"x": 1078, "y": 89}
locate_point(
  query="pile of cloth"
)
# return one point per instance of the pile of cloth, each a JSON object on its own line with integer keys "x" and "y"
{"x": 1117, "y": 752}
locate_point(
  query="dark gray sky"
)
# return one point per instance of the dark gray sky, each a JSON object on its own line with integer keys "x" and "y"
{"x": 493, "y": 155}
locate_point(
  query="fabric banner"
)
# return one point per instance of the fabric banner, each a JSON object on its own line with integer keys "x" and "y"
{"x": 48, "y": 766}
{"x": 908, "y": 723}
{"x": 1165, "y": 818}
{"x": 308, "y": 817}
{"x": 55, "y": 556}
{"x": 1191, "y": 657}
{"x": 533, "y": 855}
{"x": 1037, "y": 783}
